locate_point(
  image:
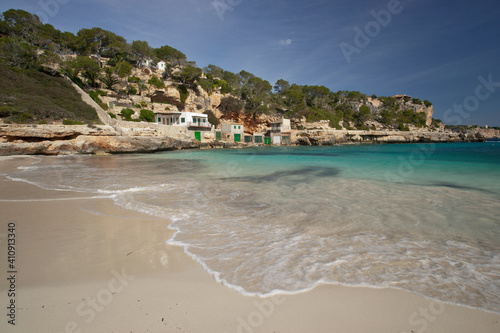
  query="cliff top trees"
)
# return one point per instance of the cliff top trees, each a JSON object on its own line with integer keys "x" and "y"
{"x": 20, "y": 23}
{"x": 281, "y": 86}
{"x": 170, "y": 54}
{"x": 89, "y": 68}
{"x": 141, "y": 51}
{"x": 189, "y": 74}
{"x": 99, "y": 41}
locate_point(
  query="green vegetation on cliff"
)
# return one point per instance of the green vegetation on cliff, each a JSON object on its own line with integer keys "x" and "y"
{"x": 30, "y": 96}
{"x": 26, "y": 44}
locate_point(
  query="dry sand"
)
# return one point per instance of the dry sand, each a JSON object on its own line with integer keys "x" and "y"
{"x": 86, "y": 265}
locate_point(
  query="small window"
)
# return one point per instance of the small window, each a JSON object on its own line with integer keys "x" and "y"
{"x": 239, "y": 127}
{"x": 204, "y": 120}
{"x": 235, "y": 127}
{"x": 159, "y": 119}
{"x": 183, "y": 120}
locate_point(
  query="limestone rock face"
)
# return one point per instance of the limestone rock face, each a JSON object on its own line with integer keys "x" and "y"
{"x": 215, "y": 99}
{"x": 429, "y": 113}
{"x": 55, "y": 140}
{"x": 428, "y": 110}
{"x": 198, "y": 101}
{"x": 172, "y": 92}
{"x": 51, "y": 132}
{"x": 320, "y": 137}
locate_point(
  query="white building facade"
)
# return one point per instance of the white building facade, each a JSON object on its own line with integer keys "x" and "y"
{"x": 187, "y": 119}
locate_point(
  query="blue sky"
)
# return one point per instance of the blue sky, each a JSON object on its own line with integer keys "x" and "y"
{"x": 445, "y": 51}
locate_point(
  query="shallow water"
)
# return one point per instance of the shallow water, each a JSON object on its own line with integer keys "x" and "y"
{"x": 421, "y": 217}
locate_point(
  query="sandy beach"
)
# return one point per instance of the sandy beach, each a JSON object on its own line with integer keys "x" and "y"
{"x": 84, "y": 264}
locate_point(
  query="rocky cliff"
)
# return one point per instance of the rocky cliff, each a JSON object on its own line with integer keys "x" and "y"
{"x": 325, "y": 137}
{"x": 60, "y": 139}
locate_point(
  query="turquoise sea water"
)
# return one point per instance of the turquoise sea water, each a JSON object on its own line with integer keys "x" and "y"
{"x": 420, "y": 217}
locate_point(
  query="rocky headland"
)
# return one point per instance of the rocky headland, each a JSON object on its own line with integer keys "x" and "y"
{"x": 102, "y": 139}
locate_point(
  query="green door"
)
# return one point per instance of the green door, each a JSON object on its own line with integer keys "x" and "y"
{"x": 237, "y": 137}
{"x": 248, "y": 139}
{"x": 267, "y": 141}
{"x": 218, "y": 136}
{"x": 197, "y": 136}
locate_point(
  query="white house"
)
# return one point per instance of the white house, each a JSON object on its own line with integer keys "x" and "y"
{"x": 147, "y": 62}
{"x": 232, "y": 131}
{"x": 281, "y": 125}
{"x": 195, "y": 123}
{"x": 162, "y": 65}
{"x": 281, "y": 132}
{"x": 187, "y": 119}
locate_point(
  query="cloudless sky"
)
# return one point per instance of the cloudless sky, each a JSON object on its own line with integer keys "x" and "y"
{"x": 439, "y": 50}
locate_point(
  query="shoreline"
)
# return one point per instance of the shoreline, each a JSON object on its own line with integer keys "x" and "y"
{"x": 108, "y": 269}
{"x": 104, "y": 139}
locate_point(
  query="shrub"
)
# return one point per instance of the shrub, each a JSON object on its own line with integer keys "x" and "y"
{"x": 103, "y": 106}
{"x": 427, "y": 103}
{"x": 184, "y": 92}
{"x": 127, "y": 114}
{"x": 71, "y": 122}
{"x": 389, "y": 102}
{"x": 355, "y": 96}
{"x": 147, "y": 115}
{"x": 362, "y": 116}
{"x": 436, "y": 122}
{"x": 134, "y": 79}
{"x": 156, "y": 82}
{"x": 132, "y": 90}
{"x": 78, "y": 81}
{"x": 416, "y": 101}
{"x": 386, "y": 117}
{"x": 402, "y": 126}
{"x": 314, "y": 115}
{"x": 22, "y": 118}
{"x": 7, "y": 110}
{"x": 212, "y": 119}
{"x": 207, "y": 85}
{"x": 95, "y": 96}
{"x": 225, "y": 87}
{"x": 112, "y": 115}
